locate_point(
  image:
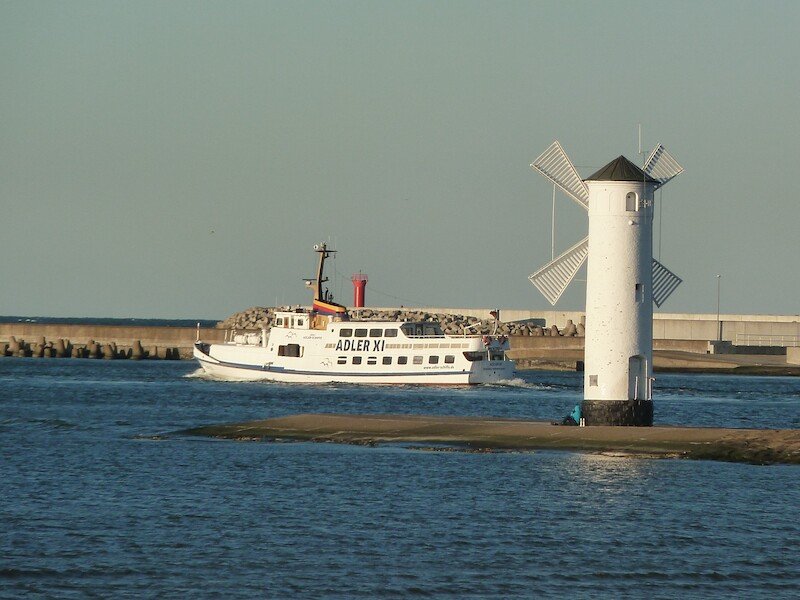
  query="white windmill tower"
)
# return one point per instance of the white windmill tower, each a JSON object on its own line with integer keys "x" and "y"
{"x": 622, "y": 279}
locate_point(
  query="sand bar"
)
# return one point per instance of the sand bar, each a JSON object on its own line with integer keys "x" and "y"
{"x": 761, "y": 446}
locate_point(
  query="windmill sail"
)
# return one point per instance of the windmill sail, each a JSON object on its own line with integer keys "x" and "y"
{"x": 554, "y": 164}
{"x": 661, "y": 165}
{"x": 553, "y": 278}
{"x": 664, "y": 283}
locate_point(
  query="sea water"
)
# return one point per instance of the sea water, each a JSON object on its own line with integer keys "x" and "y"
{"x": 100, "y": 498}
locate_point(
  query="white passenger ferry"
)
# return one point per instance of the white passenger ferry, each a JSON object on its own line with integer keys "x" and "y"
{"x": 323, "y": 345}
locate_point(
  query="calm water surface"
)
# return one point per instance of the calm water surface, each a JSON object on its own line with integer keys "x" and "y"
{"x": 98, "y": 499}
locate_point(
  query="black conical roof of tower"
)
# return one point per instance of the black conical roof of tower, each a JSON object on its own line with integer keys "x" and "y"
{"x": 620, "y": 169}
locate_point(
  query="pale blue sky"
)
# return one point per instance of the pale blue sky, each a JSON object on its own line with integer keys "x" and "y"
{"x": 401, "y": 131}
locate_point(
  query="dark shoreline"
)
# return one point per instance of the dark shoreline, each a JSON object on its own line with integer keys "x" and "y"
{"x": 747, "y": 370}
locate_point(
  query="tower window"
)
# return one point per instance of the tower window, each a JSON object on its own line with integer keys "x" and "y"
{"x": 631, "y": 202}
{"x": 639, "y": 293}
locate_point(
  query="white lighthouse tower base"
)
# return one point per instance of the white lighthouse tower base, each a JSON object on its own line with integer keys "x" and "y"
{"x": 638, "y": 413}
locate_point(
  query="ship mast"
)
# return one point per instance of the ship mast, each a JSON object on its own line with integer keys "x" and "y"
{"x": 319, "y": 292}
{"x": 323, "y": 299}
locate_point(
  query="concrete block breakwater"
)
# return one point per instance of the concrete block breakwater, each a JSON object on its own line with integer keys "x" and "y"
{"x": 64, "y": 348}
{"x": 54, "y": 340}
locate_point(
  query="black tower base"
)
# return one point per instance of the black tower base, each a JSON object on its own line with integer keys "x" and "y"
{"x": 637, "y": 413}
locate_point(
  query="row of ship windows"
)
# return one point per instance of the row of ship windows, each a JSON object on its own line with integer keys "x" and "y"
{"x": 401, "y": 360}
{"x": 410, "y": 329}
{"x": 372, "y": 333}
{"x": 296, "y": 351}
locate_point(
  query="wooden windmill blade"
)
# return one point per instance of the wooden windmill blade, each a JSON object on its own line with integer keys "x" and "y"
{"x": 553, "y": 278}
{"x": 554, "y": 164}
{"x": 661, "y": 165}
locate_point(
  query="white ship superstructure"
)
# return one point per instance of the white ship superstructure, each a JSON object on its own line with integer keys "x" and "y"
{"x": 321, "y": 344}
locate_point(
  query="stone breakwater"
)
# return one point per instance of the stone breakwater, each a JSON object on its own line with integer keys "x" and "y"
{"x": 258, "y": 317}
{"x": 70, "y": 340}
{"x": 64, "y": 348}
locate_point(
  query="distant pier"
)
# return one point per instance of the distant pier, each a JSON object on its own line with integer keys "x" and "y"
{"x": 759, "y": 446}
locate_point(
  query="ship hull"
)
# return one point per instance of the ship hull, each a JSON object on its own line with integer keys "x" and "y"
{"x": 255, "y": 364}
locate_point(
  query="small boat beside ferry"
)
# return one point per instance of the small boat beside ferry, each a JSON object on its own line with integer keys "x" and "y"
{"x": 323, "y": 345}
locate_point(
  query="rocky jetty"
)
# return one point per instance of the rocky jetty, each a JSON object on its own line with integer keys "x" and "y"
{"x": 258, "y": 317}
